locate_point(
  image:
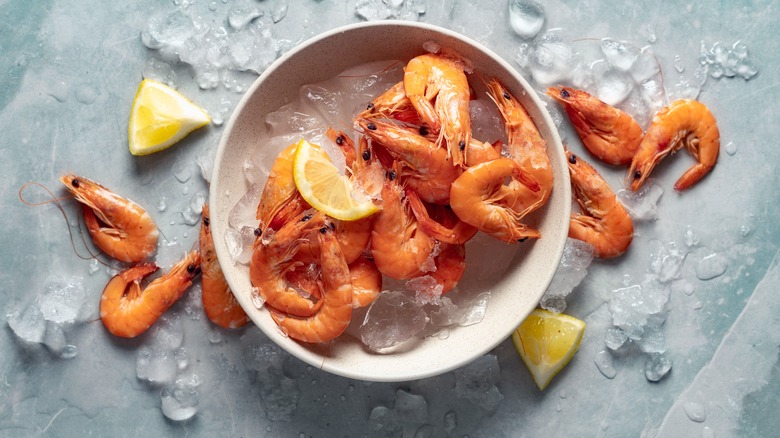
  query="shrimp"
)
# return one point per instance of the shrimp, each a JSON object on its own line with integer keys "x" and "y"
{"x": 399, "y": 247}
{"x": 118, "y": 226}
{"x": 476, "y": 197}
{"x": 280, "y": 200}
{"x": 366, "y": 282}
{"x": 441, "y": 76}
{"x": 687, "y": 123}
{"x": 526, "y": 147}
{"x": 335, "y": 313}
{"x": 443, "y": 225}
{"x": 219, "y": 302}
{"x": 270, "y": 262}
{"x": 393, "y": 103}
{"x": 450, "y": 265}
{"x": 608, "y": 133}
{"x": 345, "y": 144}
{"x": 426, "y": 168}
{"x": 604, "y": 224}
{"x": 353, "y": 236}
{"x": 127, "y": 311}
{"x": 479, "y": 152}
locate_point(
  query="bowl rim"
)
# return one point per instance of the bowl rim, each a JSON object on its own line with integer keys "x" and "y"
{"x": 314, "y": 358}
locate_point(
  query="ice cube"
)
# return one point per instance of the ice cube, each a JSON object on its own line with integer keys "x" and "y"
{"x": 474, "y": 311}
{"x": 167, "y": 32}
{"x": 477, "y": 381}
{"x": 612, "y": 84}
{"x": 55, "y": 341}
{"x": 28, "y": 324}
{"x": 410, "y": 408}
{"x": 526, "y": 18}
{"x": 445, "y": 313}
{"x": 206, "y": 166}
{"x": 619, "y": 54}
{"x": 645, "y": 66}
{"x": 167, "y": 333}
{"x": 616, "y": 338}
{"x": 156, "y": 366}
{"x": 384, "y": 419}
{"x": 486, "y": 123}
{"x": 573, "y": 267}
{"x": 63, "y": 301}
{"x": 372, "y": 10}
{"x": 604, "y": 363}
{"x": 161, "y": 72}
{"x": 666, "y": 260}
{"x": 426, "y": 289}
{"x": 179, "y": 402}
{"x": 552, "y": 60}
{"x": 392, "y": 318}
{"x": 242, "y": 14}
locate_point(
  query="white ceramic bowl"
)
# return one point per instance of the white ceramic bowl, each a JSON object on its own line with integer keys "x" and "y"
{"x": 513, "y": 295}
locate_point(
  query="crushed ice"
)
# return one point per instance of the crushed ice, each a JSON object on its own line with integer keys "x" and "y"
{"x": 572, "y": 269}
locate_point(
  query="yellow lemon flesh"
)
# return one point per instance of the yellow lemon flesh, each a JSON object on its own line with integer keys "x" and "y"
{"x": 160, "y": 117}
{"x": 546, "y": 342}
{"x": 321, "y": 185}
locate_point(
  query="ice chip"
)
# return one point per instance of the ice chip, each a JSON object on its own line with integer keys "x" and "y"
{"x": 645, "y": 66}
{"x": 666, "y": 261}
{"x": 242, "y": 14}
{"x": 616, "y": 338}
{"x": 63, "y": 301}
{"x": 572, "y": 269}
{"x": 279, "y": 11}
{"x": 156, "y": 366}
{"x": 477, "y": 381}
{"x": 604, "y": 363}
{"x": 410, "y": 408}
{"x": 261, "y": 356}
{"x": 161, "y": 72}
{"x": 657, "y": 366}
{"x": 392, "y": 318}
{"x": 474, "y": 312}
{"x": 383, "y": 419}
{"x": 445, "y": 313}
{"x": 552, "y": 61}
{"x": 450, "y": 422}
{"x": 619, "y": 54}
{"x": 653, "y": 339}
{"x": 179, "y": 402}
{"x": 167, "y": 333}
{"x": 426, "y": 289}
{"x": 28, "y": 324}
{"x": 613, "y": 86}
{"x": 526, "y": 18}
{"x": 54, "y": 339}
{"x": 711, "y": 266}
{"x": 642, "y": 205}
{"x": 279, "y": 394}
{"x": 372, "y": 10}
{"x": 168, "y": 31}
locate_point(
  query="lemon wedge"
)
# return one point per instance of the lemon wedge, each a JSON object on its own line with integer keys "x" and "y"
{"x": 160, "y": 117}
{"x": 321, "y": 185}
{"x": 546, "y": 342}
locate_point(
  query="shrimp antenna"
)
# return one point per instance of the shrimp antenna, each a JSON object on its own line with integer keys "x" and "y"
{"x": 56, "y": 201}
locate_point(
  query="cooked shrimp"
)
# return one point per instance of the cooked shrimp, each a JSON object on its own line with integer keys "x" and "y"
{"x": 426, "y": 168}
{"x": 353, "y": 236}
{"x": 450, "y": 265}
{"x": 218, "y": 300}
{"x": 399, "y": 247}
{"x": 687, "y": 123}
{"x": 478, "y": 152}
{"x": 612, "y": 135}
{"x": 335, "y": 313}
{"x": 526, "y": 147}
{"x": 118, "y": 226}
{"x": 345, "y": 144}
{"x": 604, "y": 224}
{"x": 476, "y": 197}
{"x": 127, "y": 311}
{"x": 393, "y": 103}
{"x": 443, "y": 225}
{"x": 270, "y": 262}
{"x": 366, "y": 282}
{"x": 280, "y": 200}
{"x": 441, "y": 76}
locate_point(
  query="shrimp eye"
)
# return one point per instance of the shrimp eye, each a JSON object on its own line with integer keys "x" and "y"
{"x": 522, "y": 240}
{"x": 371, "y": 127}
{"x": 637, "y": 174}
{"x": 573, "y": 159}
{"x": 423, "y": 130}
{"x": 306, "y": 218}
{"x": 370, "y": 105}
{"x": 323, "y": 230}
{"x": 258, "y": 232}
{"x": 366, "y": 155}
{"x": 332, "y": 225}
{"x": 191, "y": 269}
{"x": 507, "y": 96}
{"x": 565, "y": 94}
{"x": 340, "y": 140}
{"x": 462, "y": 145}
{"x": 206, "y": 221}
{"x": 391, "y": 175}
{"x": 75, "y": 183}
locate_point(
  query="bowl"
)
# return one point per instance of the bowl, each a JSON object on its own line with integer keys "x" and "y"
{"x": 513, "y": 294}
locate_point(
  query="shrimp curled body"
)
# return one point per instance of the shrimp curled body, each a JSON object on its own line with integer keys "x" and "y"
{"x": 127, "y": 311}
{"x": 605, "y": 223}
{"x": 118, "y": 226}
{"x": 684, "y": 123}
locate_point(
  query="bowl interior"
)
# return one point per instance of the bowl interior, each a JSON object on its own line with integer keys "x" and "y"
{"x": 513, "y": 295}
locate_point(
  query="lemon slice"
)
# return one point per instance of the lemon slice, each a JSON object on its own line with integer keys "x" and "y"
{"x": 547, "y": 341}
{"x": 321, "y": 185}
{"x": 160, "y": 117}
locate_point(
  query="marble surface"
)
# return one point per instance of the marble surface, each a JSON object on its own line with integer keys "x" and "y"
{"x": 70, "y": 70}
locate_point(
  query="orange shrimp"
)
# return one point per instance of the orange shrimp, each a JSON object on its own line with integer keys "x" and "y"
{"x": 270, "y": 262}
{"x": 426, "y": 168}
{"x": 478, "y": 152}
{"x": 366, "y": 282}
{"x": 399, "y": 247}
{"x": 450, "y": 265}
{"x": 353, "y": 236}
{"x": 393, "y": 103}
{"x": 687, "y": 123}
{"x": 118, "y": 226}
{"x": 280, "y": 200}
{"x": 608, "y": 133}
{"x": 443, "y": 225}
{"x": 345, "y": 144}
{"x": 441, "y": 76}
{"x": 476, "y": 197}
{"x": 127, "y": 311}
{"x": 335, "y": 313}
{"x": 604, "y": 224}
{"x": 526, "y": 147}
{"x": 219, "y": 303}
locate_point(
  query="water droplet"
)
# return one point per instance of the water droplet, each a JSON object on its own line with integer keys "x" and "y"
{"x": 85, "y": 94}
{"x": 731, "y": 148}
{"x": 526, "y": 17}
{"x": 711, "y": 266}
{"x": 59, "y": 90}
{"x": 678, "y": 64}
{"x": 605, "y": 365}
{"x": 695, "y": 411}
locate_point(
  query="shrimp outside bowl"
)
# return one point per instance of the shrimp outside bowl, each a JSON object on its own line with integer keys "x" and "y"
{"x": 502, "y": 283}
